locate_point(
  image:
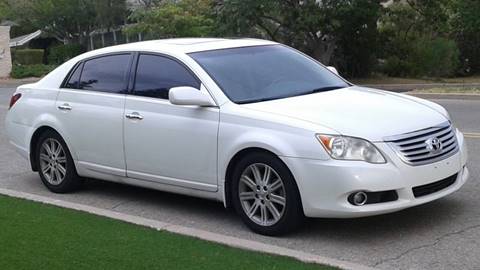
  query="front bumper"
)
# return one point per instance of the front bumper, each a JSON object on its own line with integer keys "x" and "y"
{"x": 325, "y": 185}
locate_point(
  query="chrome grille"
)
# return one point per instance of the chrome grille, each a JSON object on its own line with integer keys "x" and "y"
{"x": 425, "y": 146}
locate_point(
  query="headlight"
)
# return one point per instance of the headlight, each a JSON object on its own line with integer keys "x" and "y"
{"x": 349, "y": 148}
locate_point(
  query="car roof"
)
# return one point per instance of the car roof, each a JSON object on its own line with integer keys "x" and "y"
{"x": 174, "y": 46}
{"x": 186, "y": 45}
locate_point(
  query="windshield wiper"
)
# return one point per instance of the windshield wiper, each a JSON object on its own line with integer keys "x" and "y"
{"x": 326, "y": 88}
{"x": 317, "y": 90}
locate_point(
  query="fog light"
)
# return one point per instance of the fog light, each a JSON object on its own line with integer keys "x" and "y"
{"x": 358, "y": 198}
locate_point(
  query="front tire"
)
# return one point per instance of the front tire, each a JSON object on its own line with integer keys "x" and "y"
{"x": 265, "y": 195}
{"x": 55, "y": 164}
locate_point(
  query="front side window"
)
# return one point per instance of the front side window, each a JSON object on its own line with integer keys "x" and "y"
{"x": 260, "y": 73}
{"x": 157, "y": 74}
{"x": 106, "y": 73}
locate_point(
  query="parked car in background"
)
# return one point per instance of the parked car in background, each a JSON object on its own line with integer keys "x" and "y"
{"x": 254, "y": 124}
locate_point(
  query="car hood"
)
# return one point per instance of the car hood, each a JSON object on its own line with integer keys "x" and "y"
{"x": 357, "y": 111}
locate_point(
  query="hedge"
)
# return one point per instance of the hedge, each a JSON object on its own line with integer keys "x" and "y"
{"x": 62, "y": 53}
{"x": 28, "y": 56}
{"x": 26, "y": 71}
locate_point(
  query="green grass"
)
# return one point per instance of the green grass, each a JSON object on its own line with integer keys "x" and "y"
{"x": 449, "y": 90}
{"x": 38, "y": 236}
{"x": 394, "y": 80}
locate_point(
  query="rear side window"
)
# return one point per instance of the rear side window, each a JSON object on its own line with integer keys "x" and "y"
{"x": 157, "y": 74}
{"x": 106, "y": 74}
{"x": 74, "y": 78}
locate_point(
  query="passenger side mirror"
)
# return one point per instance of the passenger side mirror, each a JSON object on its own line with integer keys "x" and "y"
{"x": 333, "y": 69}
{"x": 189, "y": 96}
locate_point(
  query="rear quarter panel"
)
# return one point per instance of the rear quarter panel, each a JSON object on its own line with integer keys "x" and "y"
{"x": 35, "y": 109}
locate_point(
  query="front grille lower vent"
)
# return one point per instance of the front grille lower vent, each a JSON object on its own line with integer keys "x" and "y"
{"x": 425, "y": 146}
{"x": 434, "y": 187}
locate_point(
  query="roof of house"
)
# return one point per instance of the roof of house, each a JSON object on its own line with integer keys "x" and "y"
{"x": 22, "y": 40}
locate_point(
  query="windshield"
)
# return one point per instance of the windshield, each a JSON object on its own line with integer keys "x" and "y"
{"x": 260, "y": 73}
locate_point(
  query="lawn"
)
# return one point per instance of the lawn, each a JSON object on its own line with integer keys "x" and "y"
{"x": 449, "y": 90}
{"x": 393, "y": 80}
{"x": 38, "y": 236}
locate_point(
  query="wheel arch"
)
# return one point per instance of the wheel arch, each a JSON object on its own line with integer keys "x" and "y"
{"x": 34, "y": 140}
{"x": 234, "y": 161}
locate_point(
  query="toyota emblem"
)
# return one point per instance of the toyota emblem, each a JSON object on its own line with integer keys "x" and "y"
{"x": 434, "y": 145}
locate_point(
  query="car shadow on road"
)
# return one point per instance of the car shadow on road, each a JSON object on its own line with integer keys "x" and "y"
{"x": 414, "y": 221}
{"x": 419, "y": 220}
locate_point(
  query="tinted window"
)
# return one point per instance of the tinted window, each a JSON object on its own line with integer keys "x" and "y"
{"x": 74, "y": 78}
{"x": 254, "y": 74}
{"x": 157, "y": 74}
{"x": 106, "y": 74}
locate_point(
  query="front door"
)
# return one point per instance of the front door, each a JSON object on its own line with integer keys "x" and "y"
{"x": 166, "y": 143}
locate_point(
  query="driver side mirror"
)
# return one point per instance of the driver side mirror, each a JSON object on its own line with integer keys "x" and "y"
{"x": 333, "y": 69}
{"x": 189, "y": 96}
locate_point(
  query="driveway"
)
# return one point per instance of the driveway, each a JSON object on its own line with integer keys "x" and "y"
{"x": 444, "y": 234}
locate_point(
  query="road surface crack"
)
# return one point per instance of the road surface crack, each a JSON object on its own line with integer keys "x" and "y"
{"x": 434, "y": 243}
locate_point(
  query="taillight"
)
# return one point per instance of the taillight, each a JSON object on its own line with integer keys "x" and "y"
{"x": 14, "y": 100}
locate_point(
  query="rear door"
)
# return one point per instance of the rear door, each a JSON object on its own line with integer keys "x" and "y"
{"x": 167, "y": 143}
{"x": 91, "y": 107}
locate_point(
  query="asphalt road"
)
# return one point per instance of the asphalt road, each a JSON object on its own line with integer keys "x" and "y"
{"x": 444, "y": 234}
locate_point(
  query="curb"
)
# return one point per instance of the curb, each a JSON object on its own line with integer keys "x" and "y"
{"x": 445, "y": 95}
{"x": 196, "y": 233}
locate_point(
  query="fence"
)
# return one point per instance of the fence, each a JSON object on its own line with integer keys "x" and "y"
{"x": 103, "y": 38}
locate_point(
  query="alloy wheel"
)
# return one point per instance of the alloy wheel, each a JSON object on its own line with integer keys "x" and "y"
{"x": 53, "y": 161}
{"x": 262, "y": 194}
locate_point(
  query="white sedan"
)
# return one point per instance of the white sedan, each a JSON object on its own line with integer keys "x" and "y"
{"x": 254, "y": 124}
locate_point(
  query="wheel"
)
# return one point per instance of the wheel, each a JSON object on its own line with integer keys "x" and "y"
{"x": 55, "y": 164}
{"x": 266, "y": 196}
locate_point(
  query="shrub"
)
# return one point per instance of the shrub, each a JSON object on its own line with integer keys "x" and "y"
{"x": 26, "y": 71}
{"x": 62, "y": 53}
{"x": 438, "y": 57}
{"x": 396, "y": 67}
{"x": 28, "y": 56}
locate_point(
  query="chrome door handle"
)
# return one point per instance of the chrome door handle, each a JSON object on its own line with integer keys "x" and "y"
{"x": 134, "y": 116}
{"x": 65, "y": 107}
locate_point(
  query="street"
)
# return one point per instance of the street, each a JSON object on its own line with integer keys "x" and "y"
{"x": 444, "y": 234}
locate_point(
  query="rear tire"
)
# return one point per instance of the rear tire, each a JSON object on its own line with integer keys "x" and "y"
{"x": 265, "y": 195}
{"x": 55, "y": 164}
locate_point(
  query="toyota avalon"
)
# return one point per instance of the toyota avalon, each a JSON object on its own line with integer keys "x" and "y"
{"x": 254, "y": 124}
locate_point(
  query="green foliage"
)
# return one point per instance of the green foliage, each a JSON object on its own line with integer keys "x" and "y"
{"x": 187, "y": 18}
{"x": 26, "y": 71}
{"x": 416, "y": 40}
{"x": 66, "y": 20}
{"x": 353, "y": 35}
{"x": 62, "y": 53}
{"x": 466, "y": 32}
{"x": 28, "y": 56}
{"x": 437, "y": 58}
{"x": 433, "y": 58}
{"x": 331, "y": 31}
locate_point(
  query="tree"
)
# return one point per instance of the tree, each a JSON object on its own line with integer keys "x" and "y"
{"x": 319, "y": 28}
{"x": 416, "y": 39}
{"x": 465, "y": 23}
{"x": 148, "y": 3}
{"x": 66, "y": 20}
{"x": 187, "y": 18}
{"x": 110, "y": 13}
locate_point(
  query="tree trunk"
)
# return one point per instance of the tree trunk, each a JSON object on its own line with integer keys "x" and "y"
{"x": 323, "y": 51}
